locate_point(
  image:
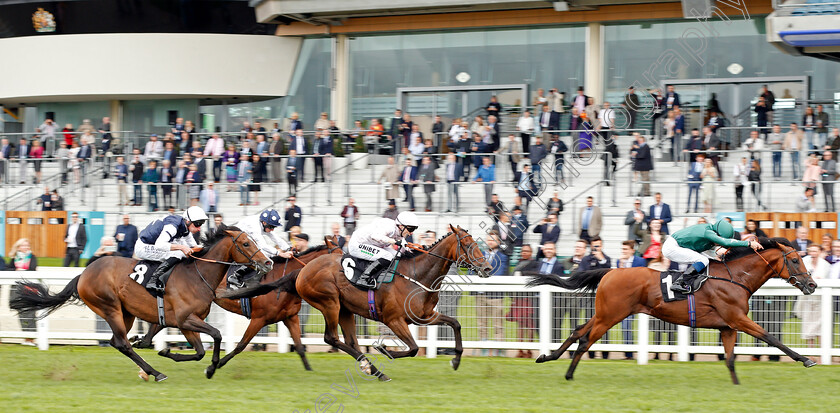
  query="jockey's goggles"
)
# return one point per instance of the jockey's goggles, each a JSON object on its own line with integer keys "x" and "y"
{"x": 198, "y": 223}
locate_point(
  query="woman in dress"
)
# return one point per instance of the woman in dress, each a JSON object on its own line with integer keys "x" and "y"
{"x": 21, "y": 258}
{"x": 709, "y": 178}
{"x": 652, "y": 239}
{"x": 807, "y": 307}
{"x": 37, "y": 153}
{"x": 813, "y": 173}
{"x": 230, "y": 159}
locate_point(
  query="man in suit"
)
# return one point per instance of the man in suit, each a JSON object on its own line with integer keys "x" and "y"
{"x": 454, "y": 172}
{"x": 672, "y": 98}
{"x": 275, "y": 149}
{"x": 495, "y": 131}
{"x": 660, "y": 211}
{"x": 634, "y": 216}
{"x": 512, "y": 148}
{"x": 643, "y": 163}
{"x": 325, "y": 149}
{"x": 170, "y": 153}
{"x": 631, "y": 104}
{"x": 75, "y": 237}
{"x": 628, "y": 260}
{"x": 580, "y": 100}
{"x": 6, "y": 152}
{"x": 545, "y": 122}
{"x": 84, "y": 156}
{"x": 426, "y": 173}
{"x": 292, "y": 171}
{"x": 518, "y": 224}
{"x": 527, "y": 186}
{"x": 693, "y": 146}
{"x": 801, "y": 242}
{"x": 590, "y": 220}
{"x": 549, "y": 229}
{"x": 293, "y": 215}
{"x": 22, "y": 155}
{"x": 300, "y": 146}
{"x": 710, "y": 144}
{"x": 214, "y": 148}
{"x": 409, "y": 178}
{"x": 294, "y": 123}
{"x": 505, "y": 231}
{"x": 316, "y": 150}
{"x": 126, "y": 236}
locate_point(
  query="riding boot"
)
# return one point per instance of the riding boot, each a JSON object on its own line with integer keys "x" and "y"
{"x": 237, "y": 278}
{"x": 154, "y": 284}
{"x": 369, "y": 276}
{"x": 682, "y": 284}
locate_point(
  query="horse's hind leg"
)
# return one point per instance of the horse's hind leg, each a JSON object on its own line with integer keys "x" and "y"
{"x": 575, "y": 336}
{"x": 146, "y": 341}
{"x": 293, "y": 324}
{"x": 195, "y": 341}
{"x": 743, "y": 323}
{"x": 597, "y": 329}
{"x": 728, "y": 336}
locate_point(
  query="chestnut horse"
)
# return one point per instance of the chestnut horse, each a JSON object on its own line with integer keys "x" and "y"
{"x": 723, "y": 303}
{"x": 265, "y": 309}
{"x": 409, "y": 299}
{"x": 106, "y": 288}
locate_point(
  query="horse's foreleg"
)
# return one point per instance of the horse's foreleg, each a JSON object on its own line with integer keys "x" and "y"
{"x": 293, "y": 324}
{"x": 456, "y": 328}
{"x": 254, "y": 327}
{"x": 575, "y": 336}
{"x": 194, "y": 340}
{"x": 195, "y": 323}
{"x": 728, "y": 336}
{"x": 146, "y": 341}
{"x": 750, "y": 327}
{"x": 400, "y": 329}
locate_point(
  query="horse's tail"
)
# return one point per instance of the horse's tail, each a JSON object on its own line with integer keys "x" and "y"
{"x": 35, "y": 296}
{"x": 285, "y": 284}
{"x": 585, "y": 280}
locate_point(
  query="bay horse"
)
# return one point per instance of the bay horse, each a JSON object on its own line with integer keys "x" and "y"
{"x": 106, "y": 288}
{"x": 722, "y": 303}
{"x": 265, "y": 309}
{"x": 409, "y": 299}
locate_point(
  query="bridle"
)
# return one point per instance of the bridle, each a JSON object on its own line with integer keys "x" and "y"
{"x": 251, "y": 262}
{"x": 459, "y": 262}
{"x": 793, "y": 278}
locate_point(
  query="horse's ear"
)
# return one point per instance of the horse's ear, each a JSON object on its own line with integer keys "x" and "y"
{"x": 452, "y": 228}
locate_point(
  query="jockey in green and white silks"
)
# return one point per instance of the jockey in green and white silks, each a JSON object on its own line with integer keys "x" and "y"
{"x": 686, "y": 246}
{"x": 381, "y": 240}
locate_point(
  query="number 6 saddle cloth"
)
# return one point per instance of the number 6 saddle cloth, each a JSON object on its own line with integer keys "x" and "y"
{"x": 354, "y": 268}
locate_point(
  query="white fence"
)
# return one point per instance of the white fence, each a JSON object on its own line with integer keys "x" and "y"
{"x": 495, "y": 313}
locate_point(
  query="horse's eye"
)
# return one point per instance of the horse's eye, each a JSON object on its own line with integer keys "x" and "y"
{"x": 796, "y": 260}
{"x": 246, "y": 245}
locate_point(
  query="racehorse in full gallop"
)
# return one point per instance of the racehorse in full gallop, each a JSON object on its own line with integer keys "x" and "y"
{"x": 409, "y": 299}
{"x": 105, "y": 287}
{"x": 266, "y": 309}
{"x": 723, "y": 303}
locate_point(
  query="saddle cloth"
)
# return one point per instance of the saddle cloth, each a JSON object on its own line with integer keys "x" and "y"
{"x": 143, "y": 271}
{"x": 354, "y": 268}
{"x": 667, "y": 278}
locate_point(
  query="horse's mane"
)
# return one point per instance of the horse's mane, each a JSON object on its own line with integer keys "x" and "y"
{"x": 213, "y": 237}
{"x": 413, "y": 253}
{"x": 740, "y": 252}
{"x": 281, "y": 260}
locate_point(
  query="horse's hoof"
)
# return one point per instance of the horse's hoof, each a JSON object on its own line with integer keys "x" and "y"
{"x": 164, "y": 352}
{"x": 161, "y": 377}
{"x": 809, "y": 363}
{"x": 143, "y": 375}
{"x": 455, "y": 364}
{"x": 541, "y": 359}
{"x": 384, "y": 377}
{"x": 569, "y": 378}
{"x": 209, "y": 371}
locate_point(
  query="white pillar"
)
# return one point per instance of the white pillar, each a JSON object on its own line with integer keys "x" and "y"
{"x": 229, "y": 335}
{"x": 683, "y": 339}
{"x": 545, "y": 320}
{"x": 594, "y": 62}
{"x": 644, "y": 333}
{"x": 284, "y": 338}
{"x": 826, "y": 304}
{"x": 340, "y": 87}
{"x": 42, "y": 331}
{"x": 432, "y": 341}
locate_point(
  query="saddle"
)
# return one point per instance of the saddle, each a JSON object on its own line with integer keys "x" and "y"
{"x": 354, "y": 268}
{"x": 667, "y": 278}
{"x": 144, "y": 269}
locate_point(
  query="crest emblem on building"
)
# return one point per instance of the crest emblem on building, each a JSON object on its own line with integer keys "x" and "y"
{"x": 43, "y": 21}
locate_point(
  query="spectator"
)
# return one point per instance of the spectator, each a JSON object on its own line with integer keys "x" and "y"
{"x": 391, "y": 210}
{"x": 801, "y": 242}
{"x": 550, "y": 231}
{"x": 525, "y": 125}
{"x": 301, "y": 242}
{"x": 336, "y": 236}
{"x": 537, "y": 154}
{"x": 301, "y": 148}
{"x": 209, "y": 198}
{"x": 453, "y": 176}
{"x": 833, "y": 143}
{"x": 643, "y": 163}
{"x": 751, "y": 229}
{"x": 827, "y": 239}
{"x": 230, "y": 159}
{"x": 590, "y": 220}
{"x": 292, "y": 171}
{"x": 107, "y": 248}
{"x": 276, "y": 148}
{"x": 755, "y": 177}
{"x": 610, "y": 160}
{"x": 426, "y": 173}
{"x": 512, "y": 148}
{"x": 21, "y": 258}
{"x": 762, "y": 114}
{"x": 631, "y": 104}
{"x": 294, "y": 123}
{"x": 822, "y": 127}
{"x": 554, "y": 204}
{"x": 606, "y": 116}
{"x": 23, "y": 155}
{"x": 151, "y": 178}
{"x": 793, "y": 143}
{"x": 486, "y": 175}
{"x": 559, "y": 149}
{"x": 75, "y": 237}
{"x": 807, "y": 203}
{"x": 547, "y": 121}
{"x": 494, "y": 108}
{"x": 776, "y": 140}
{"x": 528, "y": 186}
{"x": 490, "y": 305}
{"x": 628, "y": 260}
{"x": 293, "y": 215}
{"x": 572, "y": 263}
{"x": 661, "y": 211}
{"x": 808, "y": 123}
{"x": 215, "y": 148}
{"x": 740, "y": 172}
{"x": 73, "y": 162}
{"x": 478, "y": 148}
{"x": 136, "y": 169}
{"x": 693, "y": 146}
{"x": 259, "y": 176}
{"x": 6, "y": 153}
{"x": 635, "y": 217}
{"x": 325, "y": 150}
{"x": 126, "y": 236}
{"x": 405, "y": 129}
{"x": 651, "y": 245}
{"x": 154, "y": 148}
{"x": 829, "y": 175}
{"x": 244, "y": 176}
{"x": 580, "y": 100}
{"x": 167, "y": 178}
{"x": 672, "y": 98}
{"x": 45, "y": 200}
{"x": 595, "y": 260}
{"x": 193, "y": 181}
{"x": 391, "y": 176}
{"x": 518, "y": 226}
{"x": 86, "y": 152}
{"x": 709, "y": 177}
{"x": 57, "y": 201}
{"x": 710, "y": 144}
{"x": 36, "y": 153}
{"x": 121, "y": 173}
{"x": 69, "y": 136}
{"x": 715, "y": 121}
{"x": 807, "y": 308}
{"x": 438, "y": 127}
{"x": 833, "y": 256}
{"x": 323, "y": 122}
{"x": 695, "y": 173}
{"x": 350, "y": 214}
{"x": 408, "y": 177}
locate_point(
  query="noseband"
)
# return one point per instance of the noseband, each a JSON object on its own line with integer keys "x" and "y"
{"x": 793, "y": 278}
